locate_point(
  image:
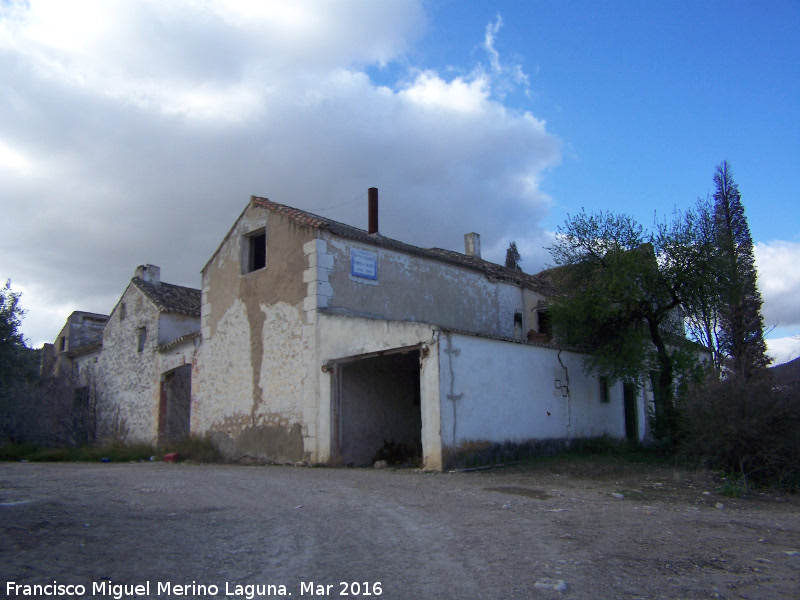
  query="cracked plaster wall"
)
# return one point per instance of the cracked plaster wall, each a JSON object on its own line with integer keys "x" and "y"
{"x": 413, "y": 288}
{"x": 496, "y": 391}
{"x": 248, "y": 387}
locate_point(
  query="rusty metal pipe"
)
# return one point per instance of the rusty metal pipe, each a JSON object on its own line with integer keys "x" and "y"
{"x": 372, "y": 195}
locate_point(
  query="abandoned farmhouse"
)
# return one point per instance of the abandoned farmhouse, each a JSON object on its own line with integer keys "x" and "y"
{"x": 313, "y": 340}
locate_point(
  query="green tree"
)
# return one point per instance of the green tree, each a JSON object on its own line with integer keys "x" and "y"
{"x": 702, "y": 306}
{"x": 18, "y": 368}
{"x": 741, "y": 325}
{"x": 513, "y": 257}
{"x": 12, "y": 342}
{"x": 619, "y": 295}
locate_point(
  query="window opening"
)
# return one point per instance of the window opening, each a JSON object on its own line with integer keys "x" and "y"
{"x": 256, "y": 251}
{"x": 604, "y": 390}
{"x": 545, "y": 326}
{"x": 517, "y": 325}
{"x": 142, "y": 338}
{"x": 631, "y": 426}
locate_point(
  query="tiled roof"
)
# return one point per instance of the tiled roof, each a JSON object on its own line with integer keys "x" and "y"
{"x": 86, "y": 349}
{"x": 554, "y": 280}
{"x": 166, "y": 346}
{"x": 489, "y": 269}
{"x": 171, "y": 298}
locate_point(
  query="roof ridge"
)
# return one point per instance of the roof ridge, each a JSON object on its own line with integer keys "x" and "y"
{"x": 487, "y": 268}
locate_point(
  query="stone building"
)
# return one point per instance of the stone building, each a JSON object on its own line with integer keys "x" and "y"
{"x": 325, "y": 342}
{"x": 78, "y": 343}
{"x": 145, "y": 367}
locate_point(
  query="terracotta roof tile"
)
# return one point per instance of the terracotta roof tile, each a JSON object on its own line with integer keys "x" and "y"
{"x": 489, "y": 269}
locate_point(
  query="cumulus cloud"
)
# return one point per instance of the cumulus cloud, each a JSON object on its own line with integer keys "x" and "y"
{"x": 783, "y": 349}
{"x": 779, "y": 282}
{"x": 135, "y": 132}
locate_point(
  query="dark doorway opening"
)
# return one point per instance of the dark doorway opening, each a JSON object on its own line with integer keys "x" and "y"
{"x": 631, "y": 426}
{"x": 176, "y": 401}
{"x": 377, "y": 413}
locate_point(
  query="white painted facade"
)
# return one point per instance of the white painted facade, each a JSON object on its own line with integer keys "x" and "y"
{"x": 343, "y": 339}
{"x": 298, "y": 346}
{"x": 312, "y": 340}
{"x": 497, "y": 391}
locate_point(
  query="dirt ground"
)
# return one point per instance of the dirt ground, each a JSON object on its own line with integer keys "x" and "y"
{"x": 583, "y": 529}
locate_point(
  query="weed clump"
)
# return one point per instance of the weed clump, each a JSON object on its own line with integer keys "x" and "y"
{"x": 193, "y": 449}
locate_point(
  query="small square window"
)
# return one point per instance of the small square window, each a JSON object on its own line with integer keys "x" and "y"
{"x": 256, "y": 251}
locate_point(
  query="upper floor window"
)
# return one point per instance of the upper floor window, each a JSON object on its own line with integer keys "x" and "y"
{"x": 142, "y": 338}
{"x": 255, "y": 251}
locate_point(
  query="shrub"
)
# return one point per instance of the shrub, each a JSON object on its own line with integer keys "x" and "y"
{"x": 750, "y": 429}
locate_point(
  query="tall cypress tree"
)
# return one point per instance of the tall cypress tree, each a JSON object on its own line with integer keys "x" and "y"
{"x": 513, "y": 257}
{"x": 741, "y": 324}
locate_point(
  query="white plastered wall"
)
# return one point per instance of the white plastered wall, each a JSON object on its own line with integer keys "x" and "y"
{"x": 415, "y": 288}
{"x": 342, "y": 337}
{"x": 498, "y": 391}
{"x": 171, "y": 326}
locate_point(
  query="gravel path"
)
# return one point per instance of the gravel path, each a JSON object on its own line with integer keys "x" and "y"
{"x": 522, "y": 532}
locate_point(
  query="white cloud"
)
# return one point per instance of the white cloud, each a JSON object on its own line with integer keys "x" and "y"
{"x": 203, "y": 59}
{"x": 145, "y": 134}
{"x": 532, "y": 246}
{"x": 431, "y": 91}
{"x": 779, "y": 282}
{"x": 507, "y": 77}
{"x": 13, "y": 160}
{"x": 492, "y": 30}
{"x": 783, "y": 349}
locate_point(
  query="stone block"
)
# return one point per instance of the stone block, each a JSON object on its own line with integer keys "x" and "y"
{"x": 315, "y": 246}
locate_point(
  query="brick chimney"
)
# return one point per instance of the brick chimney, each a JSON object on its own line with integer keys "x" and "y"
{"x": 472, "y": 244}
{"x": 149, "y": 273}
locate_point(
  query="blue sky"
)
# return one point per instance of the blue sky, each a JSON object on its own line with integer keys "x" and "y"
{"x": 648, "y": 97}
{"x": 136, "y": 132}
